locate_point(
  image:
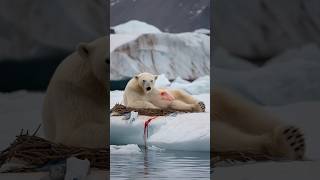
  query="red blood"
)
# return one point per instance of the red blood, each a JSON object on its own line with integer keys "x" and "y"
{"x": 166, "y": 96}
{"x": 145, "y": 131}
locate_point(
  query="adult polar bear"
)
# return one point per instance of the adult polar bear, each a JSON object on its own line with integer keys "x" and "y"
{"x": 74, "y": 110}
{"x": 141, "y": 93}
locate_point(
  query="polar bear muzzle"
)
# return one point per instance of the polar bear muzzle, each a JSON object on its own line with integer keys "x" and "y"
{"x": 147, "y": 85}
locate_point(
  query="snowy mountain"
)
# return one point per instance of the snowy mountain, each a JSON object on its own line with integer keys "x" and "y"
{"x": 168, "y": 15}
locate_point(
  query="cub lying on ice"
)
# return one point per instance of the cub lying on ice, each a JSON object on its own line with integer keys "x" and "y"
{"x": 141, "y": 93}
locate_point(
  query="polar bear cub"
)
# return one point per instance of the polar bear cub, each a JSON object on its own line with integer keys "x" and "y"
{"x": 140, "y": 92}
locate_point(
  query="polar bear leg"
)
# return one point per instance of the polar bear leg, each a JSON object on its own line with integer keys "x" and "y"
{"x": 180, "y": 105}
{"x": 185, "y": 98}
{"x": 241, "y": 113}
{"x": 142, "y": 104}
{"x": 228, "y": 138}
{"x": 90, "y": 135}
{"x": 288, "y": 142}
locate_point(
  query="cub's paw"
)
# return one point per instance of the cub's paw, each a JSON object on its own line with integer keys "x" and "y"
{"x": 288, "y": 142}
{"x": 200, "y": 107}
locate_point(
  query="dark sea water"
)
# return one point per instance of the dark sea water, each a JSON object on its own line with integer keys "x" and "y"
{"x": 160, "y": 165}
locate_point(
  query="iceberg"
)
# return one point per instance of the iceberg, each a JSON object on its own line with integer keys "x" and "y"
{"x": 187, "y": 131}
{"x": 185, "y": 54}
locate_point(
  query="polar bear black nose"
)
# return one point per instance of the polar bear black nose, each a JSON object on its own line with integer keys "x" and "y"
{"x": 148, "y": 88}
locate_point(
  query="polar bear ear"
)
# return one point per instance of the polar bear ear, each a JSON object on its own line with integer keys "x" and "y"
{"x": 83, "y": 50}
{"x": 136, "y": 77}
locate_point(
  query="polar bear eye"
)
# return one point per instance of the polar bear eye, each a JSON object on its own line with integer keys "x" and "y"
{"x": 151, "y": 80}
{"x": 143, "y": 80}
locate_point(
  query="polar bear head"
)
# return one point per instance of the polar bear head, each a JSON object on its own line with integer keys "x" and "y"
{"x": 96, "y": 53}
{"x": 146, "y": 81}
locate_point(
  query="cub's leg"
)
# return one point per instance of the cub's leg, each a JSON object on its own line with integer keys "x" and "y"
{"x": 198, "y": 106}
{"x": 142, "y": 104}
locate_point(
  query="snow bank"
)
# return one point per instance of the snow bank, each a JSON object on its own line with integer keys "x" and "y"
{"x": 162, "y": 81}
{"x": 203, "y": 31}
{"x": 186, "y": 55}
{"x": 189, "y": 132}
{"x": 198, "y": 86}
{"x": 135, "y": 27}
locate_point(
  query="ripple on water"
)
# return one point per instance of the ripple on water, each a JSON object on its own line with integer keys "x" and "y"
{"x": 160, "y": 165}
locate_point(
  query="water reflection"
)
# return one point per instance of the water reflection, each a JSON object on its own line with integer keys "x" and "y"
{"x": 160, "y": 165}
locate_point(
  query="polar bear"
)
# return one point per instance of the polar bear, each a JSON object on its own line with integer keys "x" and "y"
{"x": 141, "y": 93}
{"x": 74, "y": 109}
{"x": 240, "y": 125}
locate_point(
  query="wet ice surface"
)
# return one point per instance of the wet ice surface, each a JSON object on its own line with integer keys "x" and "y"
{"x": 155, "y": 163}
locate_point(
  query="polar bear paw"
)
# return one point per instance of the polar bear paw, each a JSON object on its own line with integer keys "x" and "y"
{"x": 200, "y": 107}
{"x": 288, "y": 142}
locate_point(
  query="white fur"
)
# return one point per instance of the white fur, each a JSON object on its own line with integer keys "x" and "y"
{"x": 136, "y": 95}
{"x": 74, "y": 110}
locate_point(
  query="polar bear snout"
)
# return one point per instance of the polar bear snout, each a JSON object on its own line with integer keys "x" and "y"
{"x": 148, "y": 85}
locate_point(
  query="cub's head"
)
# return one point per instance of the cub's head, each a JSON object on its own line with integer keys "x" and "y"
{"x": 146, "y": 81}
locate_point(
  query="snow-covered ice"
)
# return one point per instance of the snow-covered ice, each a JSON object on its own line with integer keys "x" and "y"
{"x": 198, "y": 86}
{"x": 135, "y": 27}
{"x": 188, "y": 132}
{"x": 162, "y": 81}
